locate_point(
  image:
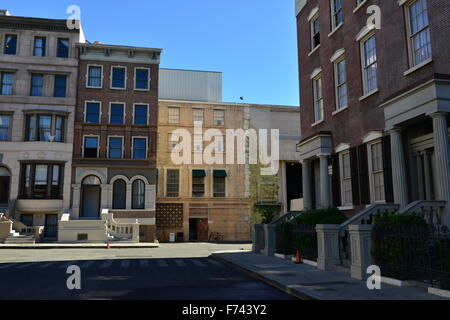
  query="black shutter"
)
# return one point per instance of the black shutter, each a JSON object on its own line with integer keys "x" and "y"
{"x": 355, "y": 176}
{"x": 387, "y": 167}
{"x": 336, "y": 181}
{"x": 363, "y": 168}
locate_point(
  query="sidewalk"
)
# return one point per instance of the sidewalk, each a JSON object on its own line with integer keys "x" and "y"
{"x": 79, "y": 246}
{"x": 308, "y": 282}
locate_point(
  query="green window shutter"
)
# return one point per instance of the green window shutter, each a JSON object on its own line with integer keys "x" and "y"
{"x": 198, "y": 173}
{"x": 220, "y": 174}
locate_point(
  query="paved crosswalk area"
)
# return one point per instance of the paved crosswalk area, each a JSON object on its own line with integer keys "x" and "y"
{"x": 119, "y": 263}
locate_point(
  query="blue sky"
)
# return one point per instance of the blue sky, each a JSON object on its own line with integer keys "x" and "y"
{"x": 253, "y": 42}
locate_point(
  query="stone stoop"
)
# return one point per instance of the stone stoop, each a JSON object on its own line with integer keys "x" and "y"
{"x": 16, "y": 238}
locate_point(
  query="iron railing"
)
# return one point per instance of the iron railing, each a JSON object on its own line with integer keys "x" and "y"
{"x": 303, "y": 238}
{"x": 287, "y": 217}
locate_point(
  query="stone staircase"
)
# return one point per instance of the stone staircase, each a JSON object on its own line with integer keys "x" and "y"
{"x": 16, "y": 238}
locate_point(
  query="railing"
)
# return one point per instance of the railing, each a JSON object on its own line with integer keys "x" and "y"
{"x": 121, "y": 231}
{"x": 367, "y": 216}
{"x": 287, "y": 217}
{"x": 290, "y": 238}
{"x": 430, "y": 210}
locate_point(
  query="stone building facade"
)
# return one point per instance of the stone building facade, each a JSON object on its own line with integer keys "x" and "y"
{"x": 38, "y": 71}
{"x": 374, "y": 114}
{"x": 114, "y": 154}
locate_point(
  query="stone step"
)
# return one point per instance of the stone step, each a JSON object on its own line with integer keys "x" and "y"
{"x": 20, "y": 240}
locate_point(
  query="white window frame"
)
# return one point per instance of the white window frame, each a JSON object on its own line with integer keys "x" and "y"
{"x": 314, "y": 80}
{"x": 148, "y": 113}
{"x": 371, "y": 173}
{"x": 135, "y": 78}
{"x": 166, "y": 180}
{"x": 214, "y": 117}
{"x": 197, "y": 109}
{"x": 333, "y": 16}
{"x": 91, "y": 136}
{"x": 87, "y": 76}
{"x": 315, "y": 18}
{"x": 111, "y": 77}
{"x": 341, "y": 170}
{"x": 123, "y": 104}
{"x": 123, "y": 146}
{"x": 168, "y": 114}
{"x": 366, "y": 92}
{"x": 146, "y": 146}
{"x": 85, "y": 111}
{"x": 412, "y": 62}
{"x": 337, "y": 85}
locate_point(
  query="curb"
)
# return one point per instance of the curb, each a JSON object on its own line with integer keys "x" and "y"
{"x": 73, "y": 247}
{"x": 255, "y": 275}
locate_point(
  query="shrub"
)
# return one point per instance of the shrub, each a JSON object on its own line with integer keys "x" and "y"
{"x": 267, "y": 212}
{"x": 320, "y": 216}
{"x": 400, "y": 220}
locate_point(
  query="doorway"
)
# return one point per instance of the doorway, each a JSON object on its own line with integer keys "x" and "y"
{"x": 5, "y": 181}
{"x": 198, "y": 229}
{"x": 51, "y": 226}
{"x": 90, "y": 198}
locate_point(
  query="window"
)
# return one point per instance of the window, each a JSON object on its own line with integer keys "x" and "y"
{"x": 27, "y": 219}
{"x": 45, "y": 128}
{"x": 138, "y": 195}
{"x": 62, "y": 50}
{"x": 173, "y": 183}
{"x": 95, "y": 77}
{"x": 39, "y": 46}
{"x": 219, "y": 117}
{"x": 198, "y": 183}
{"x": 117, "y": 114}
{"x": 37, "y": 85}
{"x": 318, "y": 99}
{"x": 341, "y": 85}
{"x": 315, "y": 33}
{"x": 118, "y": 77}
{"x": 336, "y": 14}
{"x": 92, "y": 112}
{"x": 60, "y": 86}
{"x": 5, "y": 123}
{"x": 10, "y": 44}
{"x": 139, "y": 148}
{"x": 419, "y": 32}
{"x": 174, "y": 115}
{"x": 219, "y": 183}
{"x": 141, "y": 115}
{"x": 198, "y": 116}
{"x": 142, "y": 79}
{"x": 174, "y": 142}
{"x": 115, "y": 147}
{"x": 369, "y": 65}
{"x": 198, "y": 143}
{"x": 376, "y": 172}
{"x": 7, "y": 83}
{"x": 91, "y": 147}
{"x": 346, "y": 180}
{"x": 119, "y": 195}
{"x": 41, "y": 181}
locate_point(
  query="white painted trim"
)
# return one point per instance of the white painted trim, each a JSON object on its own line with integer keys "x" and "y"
{"x": 148, "y": 113}
{"x": 346, "y": 208}
{"x": 91, "y": 136}
{"x": 371, "y": 136}
{"x": 119, "y": 177}
{"x": 132, "y": 146}
{"x": 313, "y": 13}
{"x": 364, "y": 32}
{"x": 100, "y": 110}
{"x": 417, "y": 67}
{"x": 342, "y": 147}
{"x": 402, "y": 2}
{"x": 111, "y": 77}
{"x": 363, "y": 40}
{"x": 315, "y": 73}
{"x": 335, "y": 30}
{"x": 123, "y": 104}
{"x": 339, "y": 110}
{"x": 139, "y": 177}
{"x": 371, "y": 93}
{"x": 123, "y": 145}
{"x": 317, "y": 123}
{"x": 87, "y": 76}
{"x": 359, "y": 6}
{"x": 339, "y": 53}
{"x": 314, "y": 50}
{"x": 149, "y": 78}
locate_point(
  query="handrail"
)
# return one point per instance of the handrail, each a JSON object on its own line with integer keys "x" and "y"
{"x": 287, "y": 217}
{"x": 430, "y": 210}
{"x": 123, "y": 231}
{"x": 367, "y": 216}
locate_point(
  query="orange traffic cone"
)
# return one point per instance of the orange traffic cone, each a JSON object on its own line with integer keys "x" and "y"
{"x": 298, "y": 259}
{"x": 108, "y": 245}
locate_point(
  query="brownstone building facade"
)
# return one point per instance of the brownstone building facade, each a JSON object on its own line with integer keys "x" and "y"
{"x": 374, "y": 115}
{"x": 114, "y": 158}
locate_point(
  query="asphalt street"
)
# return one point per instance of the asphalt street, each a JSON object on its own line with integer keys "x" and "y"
{"x": 155, "y": 274}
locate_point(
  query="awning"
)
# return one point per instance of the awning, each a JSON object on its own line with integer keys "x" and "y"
{"x": 220, "y": 174}
{"x": 198, "y": 173}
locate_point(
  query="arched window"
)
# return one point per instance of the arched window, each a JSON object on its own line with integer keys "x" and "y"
{"x": 138, "y": 191}
{"x": 5, "y": 179}
{"x": 119, "y": 195}
{"x": 91, "y": 181}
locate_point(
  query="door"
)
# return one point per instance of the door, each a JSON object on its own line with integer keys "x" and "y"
{"x": 5, "y": 180}
{"x": 193, "y": 229}
{"x": 51, "y": 226}
{"x": 91, "y": 202}
{"x": 202, "y": 230}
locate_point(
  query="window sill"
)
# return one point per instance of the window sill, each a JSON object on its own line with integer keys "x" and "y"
{"x": 367, "y": 95}
{"x": 314, "y": 50}
{"x": 317, "y": 123}
{"x": 143, "y": 90}
{"x": 87, "y": 87}
{"x": 335, "y": 30}
{"x": 120, "y": 89}
{"x": 359, "y": 6}
{"x": 417, "y": 67}
{"x": 346, "y": 208}
{"x": 339, "y": 111}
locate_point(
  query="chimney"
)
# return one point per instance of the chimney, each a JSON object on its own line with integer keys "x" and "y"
{"x": 4, "y": 12}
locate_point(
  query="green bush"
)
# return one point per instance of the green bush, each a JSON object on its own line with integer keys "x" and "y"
{"x": 284, "y": 238}
{"x": 267, "y": 212}
{"x": 400, "y": 220}
{"x": 320, "y": 216}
